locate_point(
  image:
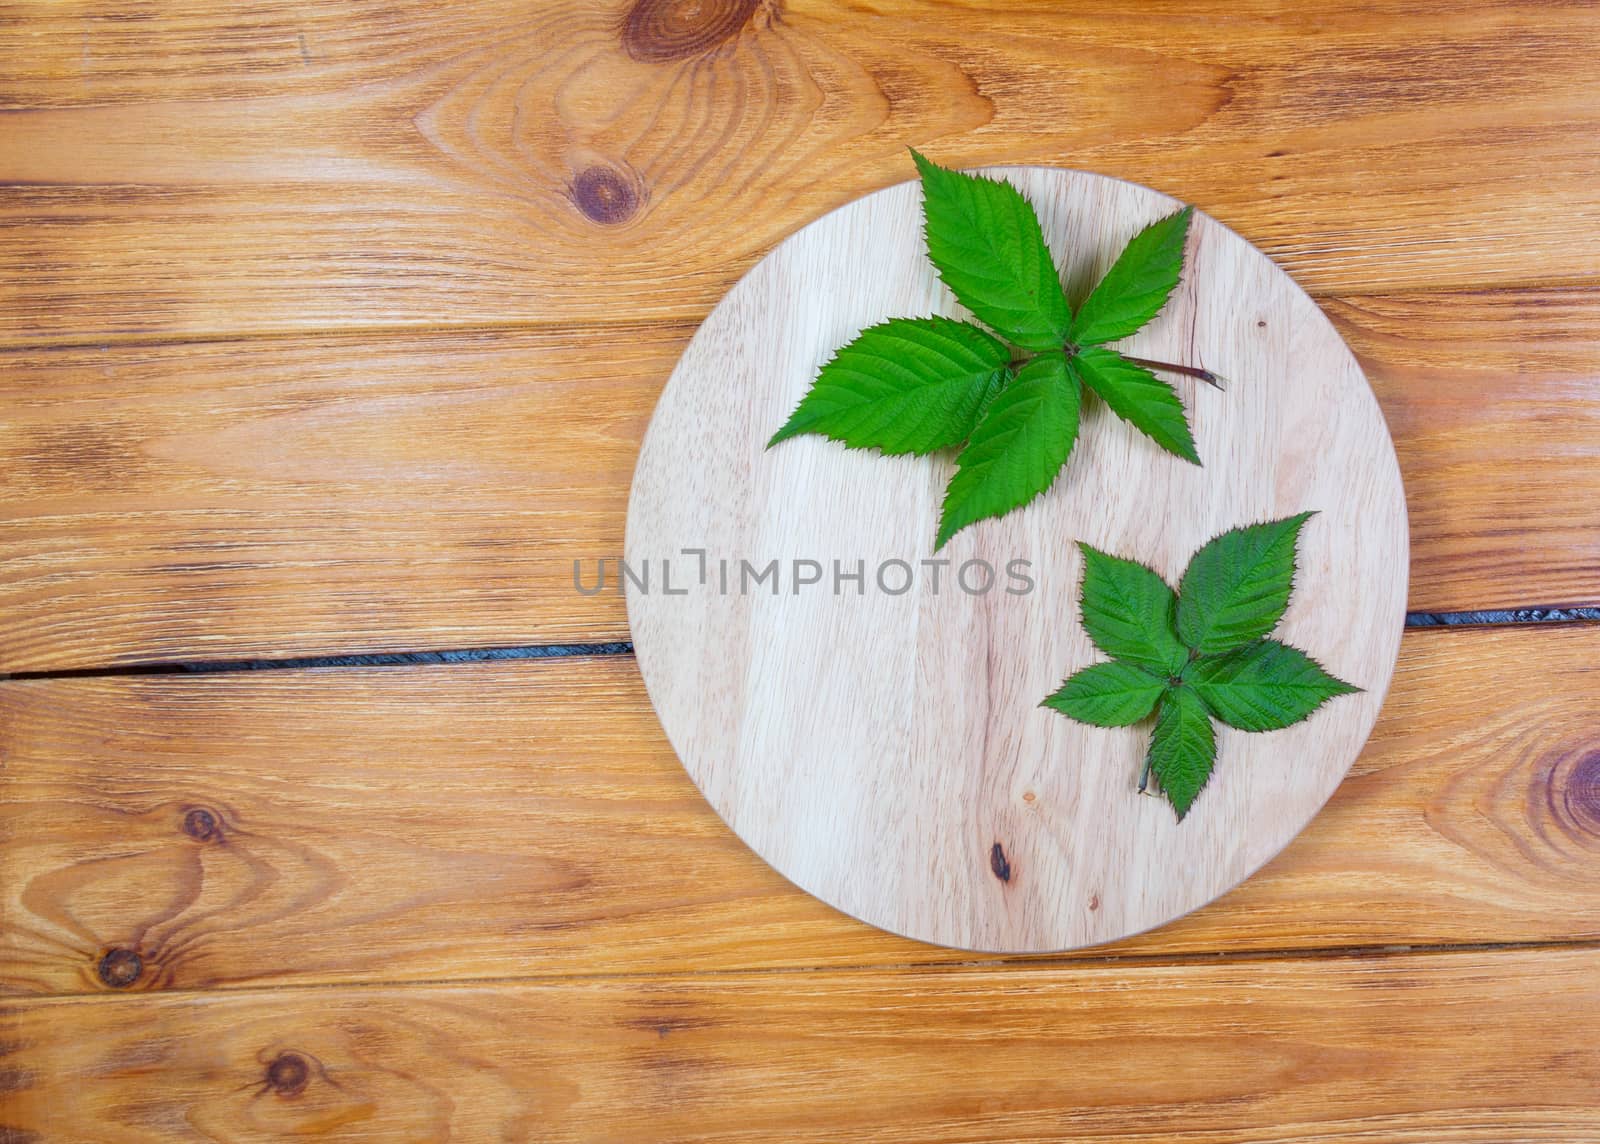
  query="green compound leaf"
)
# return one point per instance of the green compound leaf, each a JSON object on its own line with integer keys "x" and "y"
{"x": 1137, "y": 285}
{"x": 1236, "y": 588}
{"x": 1264, "y": 685}
{"x": 1234, "y": 592}
{"x": 1183, "y": 748}
{"x": 986, "y": 243}
{"x": 908, "y": 385}
{"x": 1139, "y": 397}
{"x": 1108, "y": 695}
{"x": 1019, "y": 446}
{"x": 1129, "y": 613}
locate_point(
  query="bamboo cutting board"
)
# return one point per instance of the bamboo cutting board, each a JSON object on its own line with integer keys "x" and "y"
{"x": 881, "y": 744}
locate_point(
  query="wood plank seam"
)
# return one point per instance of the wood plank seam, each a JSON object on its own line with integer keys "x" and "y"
{"x": 422, "y": 657}
{"x": 1018, "y": 964}
{"x": 255, "y": 500}
{"x": 278, "y": 826}
{"x": 1506, "y": 617}
{"x": 1533, "y": 616}
{"x": 1485, "y": 1048}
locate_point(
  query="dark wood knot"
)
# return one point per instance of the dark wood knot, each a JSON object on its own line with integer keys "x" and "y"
{"x": 1580, "y": 793}
{"x": 201, "y": 825}
{"x": 999, "y": 863}
{"x": 120, "y": 968}
{"x": 288, "y": 1074}
{"x": 658, "y": 31}
{"x": 604, "y": 195}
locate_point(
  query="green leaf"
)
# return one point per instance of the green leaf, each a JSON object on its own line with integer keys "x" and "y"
{"x": 986, "y": 243}
{"x": 1183, "y": 748}
{"x": 1137, "y": 285}
{"x": 1264, "y": 686}
{"x": 1139, "y": 397}
{"x": 1108, "y": 695}
{"x": 1018, "y": 447}
{"x": 909, "y": 385}
{"x": 1237, "y": 586}
{"x": 1128, "y": 612}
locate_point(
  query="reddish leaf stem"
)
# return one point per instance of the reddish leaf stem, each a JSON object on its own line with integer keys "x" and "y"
{"x": 1216, "y": 380}
{"x": 1204, "y": 375}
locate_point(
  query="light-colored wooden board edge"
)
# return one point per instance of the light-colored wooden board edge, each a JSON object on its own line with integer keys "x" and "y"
{"x": 527, "y": 819}
{"x": 1481, "y": 1047}
{"x": 155, "y": 183}
{"x": 355, "y": 494}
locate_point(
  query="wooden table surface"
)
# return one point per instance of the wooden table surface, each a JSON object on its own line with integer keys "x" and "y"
{"x": 329, "y": 809}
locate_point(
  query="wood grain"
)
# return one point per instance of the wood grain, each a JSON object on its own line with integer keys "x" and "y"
{"x": 1481, "y": 1047}
{"x": 228, "y": 500}
{"x": 1472, "y": 385}
{"x": 527, "y": 818}
{"x": 339, "y": 494}
{"x": 882, "y": 744}
{"x": 599, "y": 175}
{"x": 280, "y": 166}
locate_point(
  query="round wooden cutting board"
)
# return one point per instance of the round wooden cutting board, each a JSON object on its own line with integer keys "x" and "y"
{"x": 882, "y": 746}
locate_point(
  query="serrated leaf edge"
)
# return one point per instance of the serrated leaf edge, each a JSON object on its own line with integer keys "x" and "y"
{"x": 1349, "y": 688}
{"x": 1086, "y": 548}
{"x": 788, "y": 431}
{"x": 1047, "y": 701}
{"x": 923, "y": 164}
{"x": 1294, "y": 572}
{"x": 1187, "y": 209}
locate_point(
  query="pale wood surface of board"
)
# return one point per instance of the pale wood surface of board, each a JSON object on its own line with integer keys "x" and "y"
{"x": 335, "y": 327}
{"x": 880, "y": 741}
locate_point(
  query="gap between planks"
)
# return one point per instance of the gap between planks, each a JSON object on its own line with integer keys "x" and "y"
{"x": 1535, "y": 616}
{"x": 1493, "y": 816}
{"x": 1017, "y": 965}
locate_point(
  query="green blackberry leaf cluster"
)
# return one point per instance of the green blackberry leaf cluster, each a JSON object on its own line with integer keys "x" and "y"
{"x": 1196, "y": 654}
{"x": 1008, "y": 397}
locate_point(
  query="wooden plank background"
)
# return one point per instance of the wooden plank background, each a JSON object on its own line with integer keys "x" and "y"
{"x": 1360, "y": 1048}
{"x": 330, "y": 329}
{"x": 533, "y": 812}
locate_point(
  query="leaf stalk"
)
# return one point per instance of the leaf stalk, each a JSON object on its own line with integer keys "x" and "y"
{"x": 1213, "y": 379}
